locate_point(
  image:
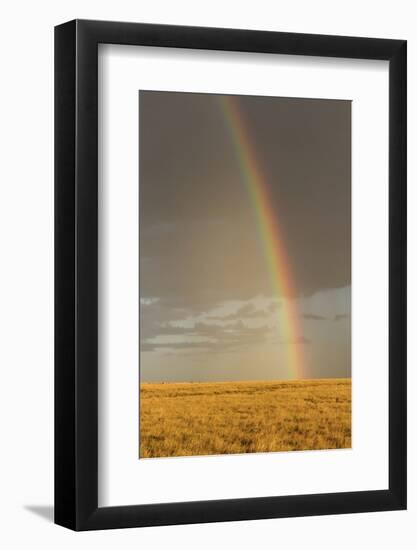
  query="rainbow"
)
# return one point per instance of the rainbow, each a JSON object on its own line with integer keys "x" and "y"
{"x": 270, "y": 233}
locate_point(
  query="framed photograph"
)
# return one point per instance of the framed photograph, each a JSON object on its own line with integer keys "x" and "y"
{"x": 230, "y": 284}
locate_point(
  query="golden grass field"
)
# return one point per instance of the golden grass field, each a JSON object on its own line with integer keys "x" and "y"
{"x": 184, "y": 419}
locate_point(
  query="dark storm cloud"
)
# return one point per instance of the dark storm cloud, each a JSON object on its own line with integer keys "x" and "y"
{"x": 208, "y": 330}
{"x": 237, "y": 328}
{"x": 198, "y": 236}
{"x": 156, "y": 315}
{"x": 216, "y": 337}
{"x": 246, "y": 311}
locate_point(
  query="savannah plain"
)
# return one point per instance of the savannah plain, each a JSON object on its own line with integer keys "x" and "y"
{"x": 187, "y": 419}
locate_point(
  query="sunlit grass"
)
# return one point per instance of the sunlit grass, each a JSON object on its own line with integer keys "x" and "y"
{"x": 183, "y": 419}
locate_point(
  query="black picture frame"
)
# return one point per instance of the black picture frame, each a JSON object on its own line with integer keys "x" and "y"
{"x": 76, "y": 274}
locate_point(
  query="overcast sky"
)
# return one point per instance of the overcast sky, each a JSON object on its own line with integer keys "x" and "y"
{"x": 208, "y": 309}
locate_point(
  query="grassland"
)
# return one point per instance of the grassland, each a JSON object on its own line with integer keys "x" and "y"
{"x": 183, "y": 419}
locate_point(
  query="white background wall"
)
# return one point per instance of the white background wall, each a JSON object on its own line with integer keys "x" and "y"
{"x": 26, "y": 272}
